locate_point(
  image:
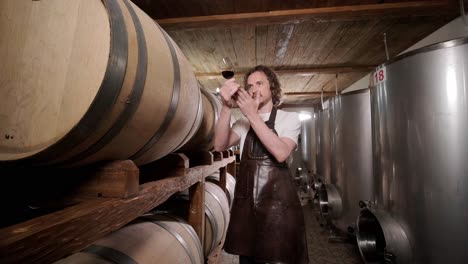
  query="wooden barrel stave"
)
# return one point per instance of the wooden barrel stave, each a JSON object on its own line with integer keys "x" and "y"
{"x": 203, "y": 140}
{"x": 152, "y": 239}
{"x": 152, "y": 113}
{"x": 217, "y": 216}
{"x": 230, "y": 184}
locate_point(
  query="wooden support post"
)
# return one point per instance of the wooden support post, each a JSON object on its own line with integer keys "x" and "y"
{"x": 231, "y": 168}
{"x": 48, "y": 238}
{"x": 218, "y": 156}
{"x": 176, "y": 164}
{"x": 61, "y": 187}
{"x": 116, "y": 179}
{"x": 200, "y": 158}
{"x": 222, "y": 179}
{"x": 196, "y": 216}
{"x": 231, "y": 152}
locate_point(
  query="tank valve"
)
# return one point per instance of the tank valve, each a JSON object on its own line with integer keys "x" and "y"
{"x": 389, "y": 257}
{"x": 381, "y": 239}
{"x": 363, "y": 204}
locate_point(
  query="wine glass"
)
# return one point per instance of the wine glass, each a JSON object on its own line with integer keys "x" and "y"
{"x": 227, "y": 68}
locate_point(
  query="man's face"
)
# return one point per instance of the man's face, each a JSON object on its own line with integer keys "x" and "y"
{"x": 258, "y": 85}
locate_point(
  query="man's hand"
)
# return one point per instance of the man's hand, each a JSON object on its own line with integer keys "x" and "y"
{"x": 247, "y": 104}
{"x": 229, "y": 88}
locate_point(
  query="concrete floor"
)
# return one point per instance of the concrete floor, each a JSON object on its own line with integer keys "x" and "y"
{"x": 321, "y": 251}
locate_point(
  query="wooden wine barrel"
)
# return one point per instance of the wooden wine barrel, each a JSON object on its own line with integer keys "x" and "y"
{"x": 230, "y": 184}
{"x": 85, "y": 81}
{"x": 217, "y": 216}
{"x": 203, "y": 140}
{"x": 216, "y": 213}
{"x": 162, "y": 239}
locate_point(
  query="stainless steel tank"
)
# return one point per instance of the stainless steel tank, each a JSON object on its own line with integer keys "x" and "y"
{"x": 351, "y": 178}
{"x": 419, "y": 213}
{"x": 308, "y": 142}
{"x": 306, "y": 177}
{"x": 325, "y": 192}
{"x": 316, "y": 146}
{"x": 335, "y": 116}
{"x": 322, "y": 139}
{"x": 313, "y": 141}
{"x": 323, "y": 144}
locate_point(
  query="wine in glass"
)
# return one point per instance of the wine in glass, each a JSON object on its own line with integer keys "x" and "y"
{"x": 227, "y": 68}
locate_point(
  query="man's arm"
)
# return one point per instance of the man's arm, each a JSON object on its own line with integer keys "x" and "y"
{"x": 224, "y": 136}
{"x": 280, "y": 148}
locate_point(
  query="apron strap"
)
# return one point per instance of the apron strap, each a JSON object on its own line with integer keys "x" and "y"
{"x": 271, "y": 121}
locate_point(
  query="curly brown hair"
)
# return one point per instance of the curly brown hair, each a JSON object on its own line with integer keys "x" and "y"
{"x": 275, "y": 85}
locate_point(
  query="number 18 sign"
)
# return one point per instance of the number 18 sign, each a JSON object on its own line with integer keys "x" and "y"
{"x": 380, "y": 76}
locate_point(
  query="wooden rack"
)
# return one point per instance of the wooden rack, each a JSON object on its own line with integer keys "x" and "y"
{"x": 113, "y": 195}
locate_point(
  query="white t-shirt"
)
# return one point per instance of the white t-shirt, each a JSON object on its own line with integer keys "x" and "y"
{"x": 287, "y": 124}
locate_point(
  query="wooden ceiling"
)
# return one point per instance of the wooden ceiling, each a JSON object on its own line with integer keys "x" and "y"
{"x": 312, "y": 44}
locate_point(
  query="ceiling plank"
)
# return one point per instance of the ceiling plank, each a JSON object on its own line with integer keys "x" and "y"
{"x": 356, "y": 12}
{"x": 303, "y": 71}
{"x": 301, "y": 105}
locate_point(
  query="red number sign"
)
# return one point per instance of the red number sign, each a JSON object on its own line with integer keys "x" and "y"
{"x": 380, "y": 76}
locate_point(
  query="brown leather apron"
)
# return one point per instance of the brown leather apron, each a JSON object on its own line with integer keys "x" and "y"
{"x": 267, "y": 221}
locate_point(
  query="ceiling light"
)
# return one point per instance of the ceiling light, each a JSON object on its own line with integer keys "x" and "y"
{"x": 304, "y": 116}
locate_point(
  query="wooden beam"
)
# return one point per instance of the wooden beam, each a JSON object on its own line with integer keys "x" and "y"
{"x": 218, "y": 156}
{"x": 198, "y": 158}
{"x": 115, "y": 179}
{"x": 231, "y": 168}
{"x": 226, "y": 154}
{"x": 323, "y": 14}
{"x": 310, "y": 70}
{"x": 57, "y": 187}
{"x": 50, "y": 237}
{"x": 172, "y": 164}
{"x": 196, "y": 216}
{"x": 309, "y": 93}
{"x": 222, "y": 179}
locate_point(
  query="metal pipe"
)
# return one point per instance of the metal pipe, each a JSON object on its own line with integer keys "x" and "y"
{"x": 336, "y": 84}
{"x": 385, "y": 43}
{"x": 462, "y": 12}
{"x": 321, "y": 97}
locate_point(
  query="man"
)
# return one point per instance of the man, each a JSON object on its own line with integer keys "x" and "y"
{"x": 267, "y": 223}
